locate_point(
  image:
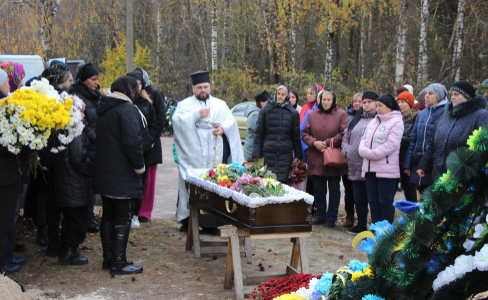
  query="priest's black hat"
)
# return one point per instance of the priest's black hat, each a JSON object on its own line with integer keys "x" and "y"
{"x": 200, "y": 77}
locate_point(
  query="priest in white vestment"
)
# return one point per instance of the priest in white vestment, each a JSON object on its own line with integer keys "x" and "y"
{"x": 206, "y": 134}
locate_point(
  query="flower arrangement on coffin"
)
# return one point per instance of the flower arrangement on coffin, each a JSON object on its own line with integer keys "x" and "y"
{"x": 245, "y": 179}
{"x": 30, "y": 115}
{"x": 298, "y": 175}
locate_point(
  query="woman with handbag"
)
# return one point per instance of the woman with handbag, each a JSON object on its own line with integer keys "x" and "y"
{"x": 350, "y": 150}
{"x": 324, "y": 128}
{"x": 435, "y": 102}
{"x": 380, "y": 148}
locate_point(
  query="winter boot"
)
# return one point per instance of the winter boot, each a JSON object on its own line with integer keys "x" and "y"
{"x": 119, "y": 264}
{"x": 71, "y": 256}
{"x": 106, "y": 237}
{"x": 349, "y": 221}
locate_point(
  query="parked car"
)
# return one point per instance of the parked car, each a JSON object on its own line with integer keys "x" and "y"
{"x": 240, "y": 113}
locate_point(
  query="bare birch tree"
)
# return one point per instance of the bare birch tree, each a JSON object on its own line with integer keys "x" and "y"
{"x": 330, "y": 51}
{"x": 400, "y": 55}
{"x": 225, "y": 32}
{"x": 293, "y": 37}
{"x": 458, "y": 48}
{"x": 422, "y": 66}
{"x": 214, "y": 38}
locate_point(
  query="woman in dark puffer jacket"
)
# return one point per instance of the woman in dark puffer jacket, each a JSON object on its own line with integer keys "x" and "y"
{"x": 466, "y": 112}
{"x": 277, "y": 136}
{"x": 116, "y": 171}
{"x": 435, "y": 101}
{"x": 406, "y": 101}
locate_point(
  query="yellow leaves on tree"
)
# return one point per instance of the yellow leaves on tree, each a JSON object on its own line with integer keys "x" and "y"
{"x": 114, "y": 63}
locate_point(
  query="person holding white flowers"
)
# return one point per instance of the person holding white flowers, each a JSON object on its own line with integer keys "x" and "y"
{"x": 12, "y": 168}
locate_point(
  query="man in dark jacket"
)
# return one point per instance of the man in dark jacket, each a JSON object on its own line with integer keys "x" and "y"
{"x": 87, "y": 89}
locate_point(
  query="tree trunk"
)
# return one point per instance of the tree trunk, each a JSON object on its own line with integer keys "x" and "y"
{"x": 214, "y": 38}
{"x": 458, "y": 48}
{"x": 46, "y": 11}
{"x": 361, "y": 45}
{"x": 422, "y": 68}
{"x": 293, "y": 38}
{"x": 265, "y": 10}
{"x": 330, "y": 52}
{"x": 225, "y": 32}
{"x": 400, "y": 56}
{"x": 202, "y": 36}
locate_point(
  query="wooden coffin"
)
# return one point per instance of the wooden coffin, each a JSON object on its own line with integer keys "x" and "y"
{"x": 289, "y": 217}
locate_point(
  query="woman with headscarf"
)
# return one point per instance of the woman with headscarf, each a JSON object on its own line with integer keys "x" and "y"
{"x": 324, "y": 127}
{"x": 380, "y": 148}
{"x": 420, "y": 137}
{"x": 12, "y": 169}
{"x": 350, "y": 150}
{"x": 277, "y": 135}
{"x": 117, "y": 169}
{"x": 313, "y": 91}
{"x": 155, "y": 157}
{"x": 294, "y": 99}
{"x": 145, "y": 205}
{"x": 405, "y": 101}
{"x": 87, "y": 89}
{"x": 16, "y": 74}
{"x": 465, "y": 113}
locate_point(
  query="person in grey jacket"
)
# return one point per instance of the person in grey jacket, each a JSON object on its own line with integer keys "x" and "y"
{"x": 350, "y": 150}
{"x": 465, "y": 113}
{"x": 252, "y": 118}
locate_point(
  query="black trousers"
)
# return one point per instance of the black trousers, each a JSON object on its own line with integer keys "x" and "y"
{"x": 348, "y": 196}
{"x": 116, "y": 211}
{"x": 409, "y": 189}
{"x": 74, "y": 226}
{"x": 8, "y": 204}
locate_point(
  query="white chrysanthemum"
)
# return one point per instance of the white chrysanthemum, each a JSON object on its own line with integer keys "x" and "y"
{"x": 13, "y": 149}
{"x": 444, "y": 277}
{"x": 480, "y": 259}
{"x": 478, "y": 230}
{"x": 463, "y": 264}
{"x": 54, "y": 150}
{"x": 313, "y": 282}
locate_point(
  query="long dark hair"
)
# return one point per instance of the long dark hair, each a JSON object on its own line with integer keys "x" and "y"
{"x": 126, "y": 85}
{"x": 294, "y": 92}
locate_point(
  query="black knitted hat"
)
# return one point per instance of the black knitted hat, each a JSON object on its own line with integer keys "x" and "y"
{"x": 464, "y": 88}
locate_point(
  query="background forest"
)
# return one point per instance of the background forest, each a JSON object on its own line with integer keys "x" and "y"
{"x": 345, "y": 45}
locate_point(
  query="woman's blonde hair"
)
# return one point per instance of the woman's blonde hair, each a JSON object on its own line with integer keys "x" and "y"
{"x": 144, "y": 95}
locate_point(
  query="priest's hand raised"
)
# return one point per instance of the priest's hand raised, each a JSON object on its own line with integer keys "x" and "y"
{"x": 204, "y": 112}
{"x": 218, "y": 130}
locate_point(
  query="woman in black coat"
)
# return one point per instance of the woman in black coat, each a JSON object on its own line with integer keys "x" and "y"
{"x": 277, "y": 136}
{"x": 116, "y": 173}
{"x": 465, "y": 113}
{"x": 87, "y": 89}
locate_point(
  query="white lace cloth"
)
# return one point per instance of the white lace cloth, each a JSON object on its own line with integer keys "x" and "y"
{"x": 291, "y": 194}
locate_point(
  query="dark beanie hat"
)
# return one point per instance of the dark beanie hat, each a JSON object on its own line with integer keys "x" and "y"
{"x": 370, "y": 95}
{"x": 401, "y": 90}
{"x": 86, "y": 71}
{"x": 389, "y": 101}
{"x": 137, "y": 76}
{"x": 262, "y": 96}
{"x": 464, "y": 88}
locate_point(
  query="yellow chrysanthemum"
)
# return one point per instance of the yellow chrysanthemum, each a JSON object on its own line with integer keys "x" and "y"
{"x": 368, "y": 271}
{"x": 356, "y": 275}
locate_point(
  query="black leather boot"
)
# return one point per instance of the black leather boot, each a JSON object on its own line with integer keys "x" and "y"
{"x": 54, "y": 246}
{"x": 71, "y": 256}
{"x": 106, "y": 237}
{"x": 119, "y": 264}
{"x": 42, "y": 239}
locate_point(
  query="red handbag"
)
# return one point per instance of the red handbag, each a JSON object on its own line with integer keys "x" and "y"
{"x": 333, "y": 157}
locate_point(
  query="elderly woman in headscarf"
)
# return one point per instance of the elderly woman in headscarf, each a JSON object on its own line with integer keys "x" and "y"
{"x": 12, "y": 168}
{"x": 155, "y": 157}
{"x": 324, "y": 128}
{"x": 117, "y": 169}
{"x": 277, "y": 135}
{"x": 16, "y": 74}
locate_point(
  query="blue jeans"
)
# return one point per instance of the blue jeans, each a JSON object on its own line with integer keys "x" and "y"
{"x": 381, "y": 193}
{"x": 361, "y": 201}
{"x": 320, "y": 196}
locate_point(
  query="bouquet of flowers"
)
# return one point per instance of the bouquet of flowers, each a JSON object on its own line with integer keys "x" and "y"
{"x": 244, "y": 180}
{"x": 30, "y": 115}
{"x": 298, "y": 175}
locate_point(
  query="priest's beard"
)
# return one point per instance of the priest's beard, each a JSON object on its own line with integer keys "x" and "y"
{"x": 202, "y": 96}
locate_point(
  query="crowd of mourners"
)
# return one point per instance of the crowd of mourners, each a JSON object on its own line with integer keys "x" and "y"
{"x": 386, "y": 140}
{"x": 115, "y": 159}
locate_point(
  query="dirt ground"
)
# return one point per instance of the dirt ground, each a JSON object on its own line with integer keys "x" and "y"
{"x": 170, "y": 272}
